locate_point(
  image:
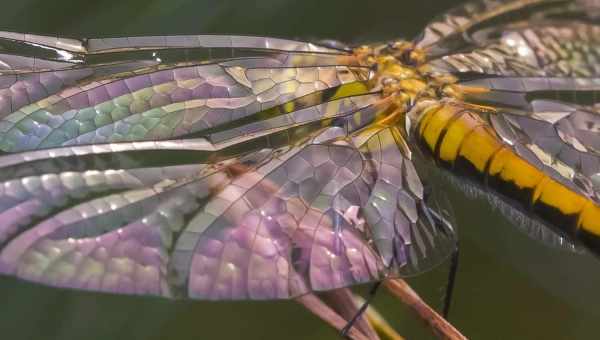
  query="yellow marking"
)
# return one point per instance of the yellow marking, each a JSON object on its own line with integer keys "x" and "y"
{"x": 470, "y": 89}
{"x": 427, "y": 114}
{"x": 401, "y": 142}
{"x": 437, "y": 123}
{"x": 400, "y": 99}
{"x": 499, "y": 160}
{"x": 589, "y": 219}
{"x": 413, "y": 85}
{"x": 562, "y": 198}
{"x": 479, "y": 146}
{"x": 518, "y": 171}
{"x": 387, "y": 113}
{"x": 455, "y": 135}
{"x": 389, "y": 66}
{"x": 480, "y": 108}
{"x": 350, "y": 89}
{"x": 289, "y": 107}
{"x": 391, "y": 118}
{"x": 461, "y": 92}
{"x": 539, "y": 189}
{"x": 332, "y": 108}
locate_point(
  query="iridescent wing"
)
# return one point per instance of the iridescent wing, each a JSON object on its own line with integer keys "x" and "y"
{"x": 411, "y": 231}
{"x": 544, "y": 49}
{"x": 470, "y": 23}
{"x": 208, "y": 167}
{"x": 174, "y": 97}
{"x": 538, "y": 72}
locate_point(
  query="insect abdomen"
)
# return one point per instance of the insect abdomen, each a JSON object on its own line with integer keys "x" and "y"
{"x": 463, "y": 142}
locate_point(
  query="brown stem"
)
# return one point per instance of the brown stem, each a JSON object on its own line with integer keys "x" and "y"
{"x": 378, "y": 322}
{"x": 344, "y": 303}
{"x": 441, "y": 327}
{"x": 322, "y": 310}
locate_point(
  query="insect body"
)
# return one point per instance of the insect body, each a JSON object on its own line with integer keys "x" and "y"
{"x": 230, "y": 167}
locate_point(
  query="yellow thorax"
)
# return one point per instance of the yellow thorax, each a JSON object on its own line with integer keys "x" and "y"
{"x": 400, "y": 71}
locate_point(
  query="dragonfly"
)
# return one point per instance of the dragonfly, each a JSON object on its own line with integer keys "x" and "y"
{"x": 217, "y": 167}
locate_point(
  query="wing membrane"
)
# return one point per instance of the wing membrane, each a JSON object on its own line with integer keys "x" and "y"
{"x": 451, "y": 31}
{"x": 161, "y": 105}
{"x": 203, "y": 41}
{"x": 205, "y": 167}
{"x": 409, "y": 234}
{"x": 531, "y": 50}
{"x": 269, "y": 225}
{"x": 563, "y": 138}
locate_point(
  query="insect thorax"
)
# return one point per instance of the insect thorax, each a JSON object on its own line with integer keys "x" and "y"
{"x": 400, "y": 71}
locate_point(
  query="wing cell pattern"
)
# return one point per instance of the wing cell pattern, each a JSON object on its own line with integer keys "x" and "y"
{"x": 252, "y": 174}
{"x": 539, "y": 72}
{"x": 558, "y": 137}
{"x": 451, "y": 30}
{"x": 542, "y": 50}
{"x": 161, "y": 105}
{"x": 274, "y": 228}
{"x": 404, "y": 229}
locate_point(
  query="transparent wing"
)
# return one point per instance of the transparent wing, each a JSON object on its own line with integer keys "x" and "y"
{"x": 99, "y": 99}
{"x": 318, "y": 218}
{"x": 279, "y": 232}
{"x": 557, "y": 118}
{"x": 532, "y": 49}
{"x": 205, "y": 167}
{"x": 410, "y": 231}
{"x": 530, "y": 38}
{"x": 464, "y": 26}
{"x": 35, "y": 67}
{"x": 273, "y": 224}
{"x": 562, "y": 137}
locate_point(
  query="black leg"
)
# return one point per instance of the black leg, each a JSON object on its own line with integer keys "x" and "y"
{"x": 451, "y": 281}
{"x": 361, "y": 310}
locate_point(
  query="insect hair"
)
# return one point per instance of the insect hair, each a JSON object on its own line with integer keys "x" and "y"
{"x": 516, "y": 216}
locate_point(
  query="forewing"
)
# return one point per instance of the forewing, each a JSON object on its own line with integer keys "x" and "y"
{"x": 532, "y": 49}
{"x": 529, "y": 38}
{"x": 471, "y": 23}
{"x": 97, "y": 98}
{"x": 448, "y": 31}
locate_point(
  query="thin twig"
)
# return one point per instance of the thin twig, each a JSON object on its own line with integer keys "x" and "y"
{"x": 322, "y": 310}
{"x": 441, "y": 327}
{"x": 343, "y": 302}
{"x": 378, "y": 322}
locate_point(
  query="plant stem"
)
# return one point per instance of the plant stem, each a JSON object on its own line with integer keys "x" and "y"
{"x": 408, "y": 296}
{"x": 322, "y": 310}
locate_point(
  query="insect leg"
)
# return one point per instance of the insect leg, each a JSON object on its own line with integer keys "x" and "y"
{"x": 361, "y": 310}
{"x": 451, "y": 281}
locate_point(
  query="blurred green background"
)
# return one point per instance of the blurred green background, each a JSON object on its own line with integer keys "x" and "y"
{"x": 508, "y": 286}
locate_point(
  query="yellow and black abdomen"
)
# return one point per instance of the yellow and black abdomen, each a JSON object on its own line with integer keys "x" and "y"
{"x": 462, "y": 141}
